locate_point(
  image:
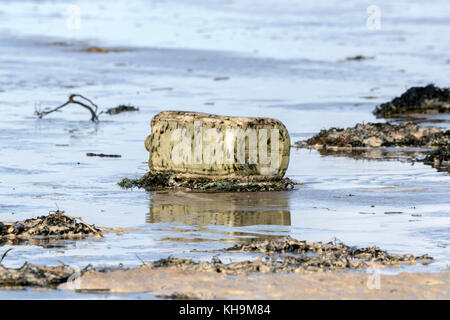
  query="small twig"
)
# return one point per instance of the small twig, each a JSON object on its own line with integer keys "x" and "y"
{"x": 4, "y": 255}
{"x": 93, "y": 108}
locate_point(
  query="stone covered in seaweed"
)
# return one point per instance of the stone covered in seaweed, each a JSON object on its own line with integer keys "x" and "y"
{"x": 428, "y": 99}
{"x": 372, "y": 135}
{"x": 33, "y": 275}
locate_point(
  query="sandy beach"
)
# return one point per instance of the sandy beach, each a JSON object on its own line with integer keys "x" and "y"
{"x": 312, "y": 66}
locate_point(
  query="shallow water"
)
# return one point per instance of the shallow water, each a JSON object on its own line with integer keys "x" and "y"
{"x": 283, "y": 60}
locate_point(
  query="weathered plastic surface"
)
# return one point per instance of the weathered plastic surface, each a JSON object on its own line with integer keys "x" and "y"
{"x": 200, "y": 144}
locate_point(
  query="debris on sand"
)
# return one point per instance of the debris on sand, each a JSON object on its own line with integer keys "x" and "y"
{"x": 287, "y": 255}
{"x": 33, "y": 275}
{"x": 102, "y": 155}
{"x": 121, "y": 108}
{"x": 159, "y": 181}
{"x": 429, "y": 99}
{"x": 329, "y": 255}
{"x": 373, "y": 135}
{"x": 56, "y": 225}
{"x": 85, "y": 103}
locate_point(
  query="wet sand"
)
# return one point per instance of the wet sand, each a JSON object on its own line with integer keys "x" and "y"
{"x": 202, "y": 285}
{"x": 165, "y": 56}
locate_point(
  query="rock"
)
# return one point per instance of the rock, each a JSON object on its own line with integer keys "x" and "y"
{"x": 372, "y": 135}
{"x": 190, "y": 144}
{"x": 429, "y": 99}
{"x": 373, "y": 142}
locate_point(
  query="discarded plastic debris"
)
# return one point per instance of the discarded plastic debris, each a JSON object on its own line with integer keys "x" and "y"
{"x": 205, "y": 145}
{"x": 210, "y": 153}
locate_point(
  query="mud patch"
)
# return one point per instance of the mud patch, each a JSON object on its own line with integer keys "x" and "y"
{"x": 160, "y": 181}
{"x": 102, "y": 155}
{"x": 56, "y": 225}
{"x": 429, "y": 99}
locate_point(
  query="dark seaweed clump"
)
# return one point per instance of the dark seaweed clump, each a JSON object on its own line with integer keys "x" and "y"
{"x": 429, "y": 99}
{"x": 379, "y": 135}
{"x": 55, "y": 225}
{"x": 120, "y": 109}
{"x": 439, "y": 157}
{"x": 289, "y": 255}
{"x": 159, "y": 181}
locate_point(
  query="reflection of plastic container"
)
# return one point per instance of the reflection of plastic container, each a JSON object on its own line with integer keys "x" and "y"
{"x": 201, "y": 144}
{"x": 225, "y": 209}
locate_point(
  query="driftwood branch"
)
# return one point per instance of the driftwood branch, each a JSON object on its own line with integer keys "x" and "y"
{"x": 85, "y": 103}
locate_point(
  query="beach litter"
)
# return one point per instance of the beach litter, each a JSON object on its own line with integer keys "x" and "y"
{"x": 204, "y": 152}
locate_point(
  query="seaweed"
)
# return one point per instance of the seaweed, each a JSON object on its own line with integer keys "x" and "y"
{"x": 428, "y": 99}
{"x": 160, "y": 181}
